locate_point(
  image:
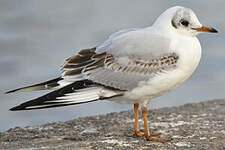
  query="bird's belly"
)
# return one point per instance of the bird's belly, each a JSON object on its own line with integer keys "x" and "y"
{"x": 157, "y": 86}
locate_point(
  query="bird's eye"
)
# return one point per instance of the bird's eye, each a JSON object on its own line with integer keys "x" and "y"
{"x": 184, "y": 23}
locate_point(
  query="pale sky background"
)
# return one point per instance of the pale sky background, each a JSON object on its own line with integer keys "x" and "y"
{"x": 37, "y": 36}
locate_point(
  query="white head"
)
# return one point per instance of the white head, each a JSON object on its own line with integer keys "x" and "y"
{"x": 182, "y": 20}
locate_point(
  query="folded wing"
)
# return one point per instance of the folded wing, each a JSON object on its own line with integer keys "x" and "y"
{"x": 76, "y": 93}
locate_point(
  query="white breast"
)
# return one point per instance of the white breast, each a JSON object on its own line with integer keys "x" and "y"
{"x": 189, "y": 51}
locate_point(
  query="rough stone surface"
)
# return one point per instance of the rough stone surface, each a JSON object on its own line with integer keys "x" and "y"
{"x": 198, "y": 126}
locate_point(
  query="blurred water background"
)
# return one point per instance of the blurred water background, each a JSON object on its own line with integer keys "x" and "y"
{"x": 36, "y": 37}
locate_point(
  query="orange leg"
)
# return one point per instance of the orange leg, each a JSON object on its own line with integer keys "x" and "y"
{"x": 148, "y": 134}
{"x": 136, "y": 124}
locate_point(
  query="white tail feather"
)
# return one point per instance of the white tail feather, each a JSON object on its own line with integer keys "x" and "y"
{"x": 86, "y": 95}
{"x": 83, "y": 95}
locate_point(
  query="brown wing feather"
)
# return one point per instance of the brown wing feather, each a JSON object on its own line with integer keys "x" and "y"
{"x": 82, "y": 59}
{"x": 136, "y": 66}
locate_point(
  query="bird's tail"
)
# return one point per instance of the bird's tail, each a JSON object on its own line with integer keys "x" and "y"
{"x": 41, "y": 86}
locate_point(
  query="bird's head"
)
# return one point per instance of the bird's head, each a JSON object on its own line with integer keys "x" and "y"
{"x": 183, "y": 21}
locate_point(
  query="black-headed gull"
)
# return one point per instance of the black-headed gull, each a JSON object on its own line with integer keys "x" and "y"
{"x": 132, "y": 66}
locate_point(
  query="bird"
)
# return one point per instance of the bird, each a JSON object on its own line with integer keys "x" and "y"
{"x": 133, "y": 66}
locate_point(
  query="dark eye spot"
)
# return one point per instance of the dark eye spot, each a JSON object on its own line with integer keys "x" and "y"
{"x": 184, "y": 23}
{"x": 173, "y": 24}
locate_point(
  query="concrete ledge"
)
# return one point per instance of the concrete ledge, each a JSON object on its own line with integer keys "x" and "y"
{"x": 192, "y": 126}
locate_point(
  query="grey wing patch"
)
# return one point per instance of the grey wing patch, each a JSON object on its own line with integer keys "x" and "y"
{"x": 105, "y": 45}
{"x": 124, "y": 73}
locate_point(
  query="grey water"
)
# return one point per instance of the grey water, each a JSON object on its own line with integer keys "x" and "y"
{"x": 37, "y": 36}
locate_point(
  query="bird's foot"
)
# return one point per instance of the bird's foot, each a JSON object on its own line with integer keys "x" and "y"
{"x": 139, "y": 133}
{"x": 142, "y": 134}
{"x": 157, "y": 139}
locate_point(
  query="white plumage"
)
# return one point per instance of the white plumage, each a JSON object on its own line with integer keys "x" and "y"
{"x": 131, "y": 66}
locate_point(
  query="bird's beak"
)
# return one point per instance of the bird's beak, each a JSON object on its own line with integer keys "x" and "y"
{"x": 206, "y": 29}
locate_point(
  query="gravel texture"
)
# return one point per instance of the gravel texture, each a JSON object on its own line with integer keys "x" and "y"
{"x": 198, "y": 126}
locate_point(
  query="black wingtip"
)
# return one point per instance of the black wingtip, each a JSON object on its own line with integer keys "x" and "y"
{"x": 36, "y": 87}
{"x": 40, "y": 102}
{"x": 12, "y": 91}
{"x": 16, "y": 108}
{"x": 12, "y": 109}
